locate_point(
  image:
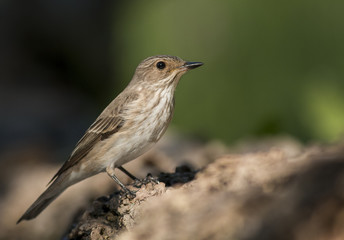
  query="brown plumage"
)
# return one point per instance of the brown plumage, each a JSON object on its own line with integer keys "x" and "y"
{"x": 131, "y": 124}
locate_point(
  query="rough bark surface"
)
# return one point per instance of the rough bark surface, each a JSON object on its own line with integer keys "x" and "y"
{"x": 274, "y": 194}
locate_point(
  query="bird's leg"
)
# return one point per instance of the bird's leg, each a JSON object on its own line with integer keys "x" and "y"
{"x": 138, "y": 182}
{"x": 111, "y": 172}
{"x": 128, "y": 173}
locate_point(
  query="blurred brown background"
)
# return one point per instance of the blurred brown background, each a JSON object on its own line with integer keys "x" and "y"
{"x": 271, "y": 68}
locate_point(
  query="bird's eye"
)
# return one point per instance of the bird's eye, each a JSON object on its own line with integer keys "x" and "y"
{"x": 161, "y": 65}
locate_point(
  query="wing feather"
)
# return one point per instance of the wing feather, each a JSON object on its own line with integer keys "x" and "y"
{"x": 107, "y": 124}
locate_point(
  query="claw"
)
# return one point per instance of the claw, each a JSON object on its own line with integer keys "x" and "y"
{"x": 130, "y": 194}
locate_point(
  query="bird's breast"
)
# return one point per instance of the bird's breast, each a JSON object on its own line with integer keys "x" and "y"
{"x": 146, "y": 121}
{"x": 156, "y": 115}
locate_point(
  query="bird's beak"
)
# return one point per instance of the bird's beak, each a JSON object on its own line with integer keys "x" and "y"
{"x": 191, "y": 65}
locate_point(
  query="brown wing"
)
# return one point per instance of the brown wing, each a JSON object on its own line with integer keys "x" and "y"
{"x": 105, "y": 125}
{"x": 101, "y": 129}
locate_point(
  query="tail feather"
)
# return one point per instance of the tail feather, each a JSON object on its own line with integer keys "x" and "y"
{"x": 49, "y": 195}
{"x": 36, "y": 208}
{"x": 61, "y": 182}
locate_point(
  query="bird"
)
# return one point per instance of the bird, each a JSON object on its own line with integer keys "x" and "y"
{"x": 128, "y": 127}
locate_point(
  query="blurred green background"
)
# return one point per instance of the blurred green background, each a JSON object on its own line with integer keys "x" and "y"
{"x": 271, "y": 67}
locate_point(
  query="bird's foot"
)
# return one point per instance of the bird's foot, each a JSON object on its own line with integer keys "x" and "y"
{"x": 148, "y": 179}
{"x": 129, "y": 193}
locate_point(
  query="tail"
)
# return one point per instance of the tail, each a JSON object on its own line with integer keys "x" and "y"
{"x": 49, "y": 195}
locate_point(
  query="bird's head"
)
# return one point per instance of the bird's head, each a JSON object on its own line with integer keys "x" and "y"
{"x": 162, "y": 70}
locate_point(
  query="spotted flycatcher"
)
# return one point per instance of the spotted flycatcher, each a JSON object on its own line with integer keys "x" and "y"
{"x": 130, "y": 125}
